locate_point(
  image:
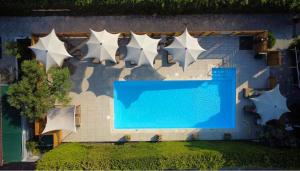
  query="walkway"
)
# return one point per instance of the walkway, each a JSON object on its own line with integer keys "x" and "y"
{"x": 280, "y": 24}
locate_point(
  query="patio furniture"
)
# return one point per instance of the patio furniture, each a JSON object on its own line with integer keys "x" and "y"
{"x": 96, "y": 61}
{"x": 274, "y": 58}
{"x": 78, "y": 54}
{"x": 170, "y": 60}
{"x": 272, "y": 82}
{"x": 260, "y": 55}
{"x": 78, "y": 116}
{"x": 251, "y": 92}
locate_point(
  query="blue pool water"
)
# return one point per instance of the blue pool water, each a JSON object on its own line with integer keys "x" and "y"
{"x": 176, "y": 104}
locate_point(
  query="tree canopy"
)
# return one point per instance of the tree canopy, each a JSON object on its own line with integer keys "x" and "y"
{"x": 37, "y": 91}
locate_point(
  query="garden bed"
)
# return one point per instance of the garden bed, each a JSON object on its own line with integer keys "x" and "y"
{"x": 169, "y": 155}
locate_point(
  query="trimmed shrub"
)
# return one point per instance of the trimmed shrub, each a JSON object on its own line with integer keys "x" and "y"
{"x": 71, "y": 156}
{"x": 127, "y": 138}
{"x": 157, "y": 138}
{"x": 271, "y": 40}
{"x": 168, "y": 155}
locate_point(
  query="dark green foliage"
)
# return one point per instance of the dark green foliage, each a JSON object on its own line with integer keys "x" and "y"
{"x": 32, "y": 147}
{"x": 227, "y": 136}
{"x": 169, "y": 155}
{"x": 34, "y": 94}
{"x": 60, "y": 84}
{"x": 271, "y": 40}
{"x": 127, "y": 138}
{"x": 277, "y": 137}
{"x": 164, "y": 7}
{"x": 31, "y": 95}
{"x": 157, "y": 138}
{"x": 295, "y": 43}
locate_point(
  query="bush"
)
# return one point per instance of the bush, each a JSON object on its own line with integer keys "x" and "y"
{"x": 127, "y": 138}
{"x": 168, "y": 155}
{"x": 70, "y": 156}
{"x": 295, "y": 43}
{"x": 271, "y": 40}
{"x": 157, "y": 138}
{"x": 32, "y": 147}
{"x": 274, "y": 135}
{"x": 193, "y": 136}
{"x": 36, "y": 92}
{"x": 150, "y": 7}
{"x": 227, "y": 136}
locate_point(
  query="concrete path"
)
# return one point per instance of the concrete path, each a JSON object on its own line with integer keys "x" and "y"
{"x": 280, "y": 24}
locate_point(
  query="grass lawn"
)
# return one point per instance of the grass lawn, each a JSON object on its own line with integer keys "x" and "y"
{"x": 169, "y": 155}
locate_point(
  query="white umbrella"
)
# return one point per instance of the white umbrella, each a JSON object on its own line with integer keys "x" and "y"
{"x": 102, "y": 45}
{"x": 185, "y": 49}
{"x": 270, "y": 105}
{"x": 50, "y": 50}
{"x": 61, "y": 119}
{"x": 142, "y": 49}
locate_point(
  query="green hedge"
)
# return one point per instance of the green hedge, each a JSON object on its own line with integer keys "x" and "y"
{"x": 164, "y": 7}
{"x": 169, "y": 155}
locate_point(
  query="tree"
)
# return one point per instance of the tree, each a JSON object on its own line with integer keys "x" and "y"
{"x": 34, "y": 94}
{"x": 60, "y": 84}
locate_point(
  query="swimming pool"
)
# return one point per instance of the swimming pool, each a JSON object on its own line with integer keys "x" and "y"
{"x": 176, "y": 104}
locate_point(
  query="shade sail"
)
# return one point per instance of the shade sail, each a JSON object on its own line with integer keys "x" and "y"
{"x": 50, "y": 51}
{"x": 185, "y": 49}
{"x": 61, "y": 119}
{"x": 102, "y": 45}
{"x": 270, "y": 105}
{"x": 142, "y": 49}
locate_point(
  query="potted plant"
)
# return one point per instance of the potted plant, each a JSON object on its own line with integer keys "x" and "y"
{"x": 157, "y": 138}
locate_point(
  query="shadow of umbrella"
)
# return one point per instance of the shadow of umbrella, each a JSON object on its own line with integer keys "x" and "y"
{"x": 144, "y": 73}
{"x": 102, "y": 79}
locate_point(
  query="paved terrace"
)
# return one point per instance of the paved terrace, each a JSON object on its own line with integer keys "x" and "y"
{"x": 93, "y": 82}
{"x": 93, "y": 90}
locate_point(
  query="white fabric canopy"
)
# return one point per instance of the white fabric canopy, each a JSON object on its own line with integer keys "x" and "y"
{"x": 142, "y": 49}
{"x": 102, "y": 45}
{"x": 270, "y": 105}
{"x": 61, "y": 119}
{"x": 185, "y": 49}
{"x": 50, "y": 50}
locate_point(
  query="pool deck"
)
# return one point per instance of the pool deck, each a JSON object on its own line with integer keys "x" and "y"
{"x": 93, "y": 82}
{"x": 93, "y": 90}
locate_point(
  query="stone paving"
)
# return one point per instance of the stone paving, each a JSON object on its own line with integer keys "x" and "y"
{"x": 93, "y": 90}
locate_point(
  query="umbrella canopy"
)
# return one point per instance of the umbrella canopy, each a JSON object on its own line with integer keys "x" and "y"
{"x": 185, "y": 49}
{"x": 142, "y": 49}
{"x": 102, "y": 45}
{"x": 61, "y": 119}
{"x": 270, "y": 105}
{"x": 50, "y": 50}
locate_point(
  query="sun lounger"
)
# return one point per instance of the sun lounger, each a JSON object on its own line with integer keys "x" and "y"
{"x": 170, "y": 60}
{"x": 78, "y": 116}
{"x": 251, "y": 92}
{"x": 274, "y": 58}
